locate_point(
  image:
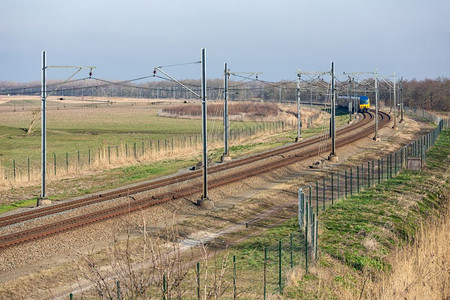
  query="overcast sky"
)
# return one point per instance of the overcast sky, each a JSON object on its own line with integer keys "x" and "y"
{"x": 126, "y": 39}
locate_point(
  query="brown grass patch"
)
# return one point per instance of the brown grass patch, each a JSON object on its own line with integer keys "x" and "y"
{"x": 250, "y": 109}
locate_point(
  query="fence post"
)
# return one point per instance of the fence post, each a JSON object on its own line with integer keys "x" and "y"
{"x": 373, "y": 172}
{"x": 368, "y": 174}
{"x": 164, "y": 286}
{"x": 357, "y": 178}
{"x": 387, "y": 166}
{"x": 14, "y": 169}
{"x": 332, "y": 189}
{"x": 346, "y": 183}
{"x": 109, "y": 155}
{"x": 351, "y": 181}
{"x": 292, "y": 257}
{"x": 67, "y": 162}
{"x": 390, "y": 165}
{"x": 78, "y": 160}
{"x": 172, "y": 145}
{"x": 379, "y": 171}
{"x": 338, "y": 186}
{"x": 362, "y": 176}
{"x": 306, "y": 238}
{"x": 28, "y": 168}
{"x": 316, "y": 235}
{"x": 300, "y": 208}
{"x": 118, "y": 289}
{"x": 310, "y": 195}
{"x": 317, "y": 197}
{"x": 234, "y": 277}
{"x": 54, "y": 162}
{"x": 323, "y": 194}
{"x": 279, "y": 266}
{"x": 313, "y": 232}
{"x": 89, "y": 159}
{"x": 198, "y": 280}
{"x": 264, "y": 273}
{"x": 395, "y": 163}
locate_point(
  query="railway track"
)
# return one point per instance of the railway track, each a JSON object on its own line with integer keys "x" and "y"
{"x": 283, "y": 157}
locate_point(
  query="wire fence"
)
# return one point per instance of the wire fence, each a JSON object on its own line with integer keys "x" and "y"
{"x": 427, "y": 115}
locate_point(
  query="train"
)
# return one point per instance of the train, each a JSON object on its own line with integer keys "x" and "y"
{"x": 362, "y": 102}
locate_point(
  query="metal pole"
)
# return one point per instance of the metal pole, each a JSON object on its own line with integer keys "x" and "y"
{"x": 225, "y": 111}
{"x": 204, "y": 128}
{"x": 43, "y": 126}
{"x": 299, "y": 119}
{"x": 332, "y": 157}
{"x": 376, "y": 137}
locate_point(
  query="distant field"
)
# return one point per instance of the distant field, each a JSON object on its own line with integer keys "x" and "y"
{"x": 82, "y": 135}
{"x": 70, "y": 130}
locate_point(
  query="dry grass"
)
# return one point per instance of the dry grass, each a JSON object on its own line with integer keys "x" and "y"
{"x": 421, "y": 270}
{"x": 261, "y": 109}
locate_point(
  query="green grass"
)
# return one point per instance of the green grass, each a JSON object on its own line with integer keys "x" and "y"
{"x": 19, "y": 204}
{"x": 380, "y": 216}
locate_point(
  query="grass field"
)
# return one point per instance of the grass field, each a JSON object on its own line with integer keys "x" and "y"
{"x": 80, "y": 129}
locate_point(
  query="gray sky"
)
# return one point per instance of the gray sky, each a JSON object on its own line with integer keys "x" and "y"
{"x": 126, "y": 39}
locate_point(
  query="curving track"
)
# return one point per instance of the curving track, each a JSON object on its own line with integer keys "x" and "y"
{"x": 280, "y": 158}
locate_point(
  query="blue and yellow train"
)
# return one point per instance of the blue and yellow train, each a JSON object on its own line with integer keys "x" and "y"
{"x": 346, "y": 101}
{"x": 364, "y": 103}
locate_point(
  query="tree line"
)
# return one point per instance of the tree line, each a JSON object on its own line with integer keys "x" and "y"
{"x": 430, "y": 94}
